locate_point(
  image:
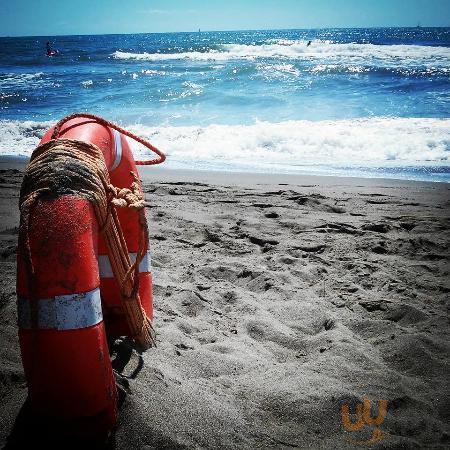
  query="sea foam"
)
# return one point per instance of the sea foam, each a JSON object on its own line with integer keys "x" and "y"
{"x": 299, "y": 50}
{"x": 25, "y": 80}
{"x": 285, "y": 146}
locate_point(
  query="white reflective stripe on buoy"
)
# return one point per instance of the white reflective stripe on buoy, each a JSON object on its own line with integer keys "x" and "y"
{"x": 63, "y": 312}
{"x": 118, "y": 147}
{"x": 105, "y": 269}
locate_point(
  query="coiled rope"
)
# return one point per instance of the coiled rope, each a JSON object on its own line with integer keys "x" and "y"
{"x": 73, "y": 167}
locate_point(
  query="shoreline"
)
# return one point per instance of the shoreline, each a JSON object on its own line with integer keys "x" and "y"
{"x": 160, "y": 173}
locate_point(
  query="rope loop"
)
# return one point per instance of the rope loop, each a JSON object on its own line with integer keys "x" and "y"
{"x": 161, "y": 156}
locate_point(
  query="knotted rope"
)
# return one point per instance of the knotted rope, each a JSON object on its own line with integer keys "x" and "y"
{"x": 72, "y": 167}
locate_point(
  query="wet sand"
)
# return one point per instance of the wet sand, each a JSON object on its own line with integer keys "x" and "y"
{"x": 278, "y": 299}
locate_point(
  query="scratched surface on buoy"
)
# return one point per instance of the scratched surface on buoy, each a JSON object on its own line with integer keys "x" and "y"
{"x": 63, "y": 243}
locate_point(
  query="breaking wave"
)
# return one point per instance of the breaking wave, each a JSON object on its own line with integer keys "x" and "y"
{"x": 358, "y": 53}
{"x": 288, "y": 146}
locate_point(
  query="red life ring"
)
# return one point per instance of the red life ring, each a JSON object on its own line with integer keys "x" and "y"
{"x": 78, "y": 307}
{"x": 120, "y": 163}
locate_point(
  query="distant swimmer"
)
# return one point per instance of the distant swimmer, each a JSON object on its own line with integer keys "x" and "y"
{"x": 309, "y": 43}
{"x": 50, "y": 51}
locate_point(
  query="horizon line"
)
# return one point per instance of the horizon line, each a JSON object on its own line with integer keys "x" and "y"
{"x": 219, "y": 31}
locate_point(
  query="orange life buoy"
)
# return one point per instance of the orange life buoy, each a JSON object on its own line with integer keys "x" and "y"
{"x": 73, "y": 303}
{"x": 120, "y": 163}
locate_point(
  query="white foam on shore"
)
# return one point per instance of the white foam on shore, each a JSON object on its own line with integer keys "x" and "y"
{"x": 286, "y": 145}
{"x": 19, "y": 138}
{"x": 283, "y": 146}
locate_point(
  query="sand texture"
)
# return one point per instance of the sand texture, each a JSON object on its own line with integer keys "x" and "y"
{"x": 276, "y": 303}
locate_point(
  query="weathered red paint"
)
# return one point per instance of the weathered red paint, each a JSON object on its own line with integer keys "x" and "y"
{"x": 100, "y": 135}
{"x": 67, "y": 378}
{"x": 69, "y": 372}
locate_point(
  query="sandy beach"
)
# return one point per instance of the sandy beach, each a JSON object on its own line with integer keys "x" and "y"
{"x": 279, "y": 299}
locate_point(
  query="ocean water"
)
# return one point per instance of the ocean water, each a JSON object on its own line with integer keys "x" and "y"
{"x": 363, "y": 102}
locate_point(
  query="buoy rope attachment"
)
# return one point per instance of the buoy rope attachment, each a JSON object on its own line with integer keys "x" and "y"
{"x": 72, "y": 167}
{"x": 161, "y": 156}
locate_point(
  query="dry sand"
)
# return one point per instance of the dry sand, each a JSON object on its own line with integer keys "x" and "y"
{"x": 278, "y": 299}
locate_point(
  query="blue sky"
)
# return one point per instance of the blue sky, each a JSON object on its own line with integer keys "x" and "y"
{"x": 57, "y": 17}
